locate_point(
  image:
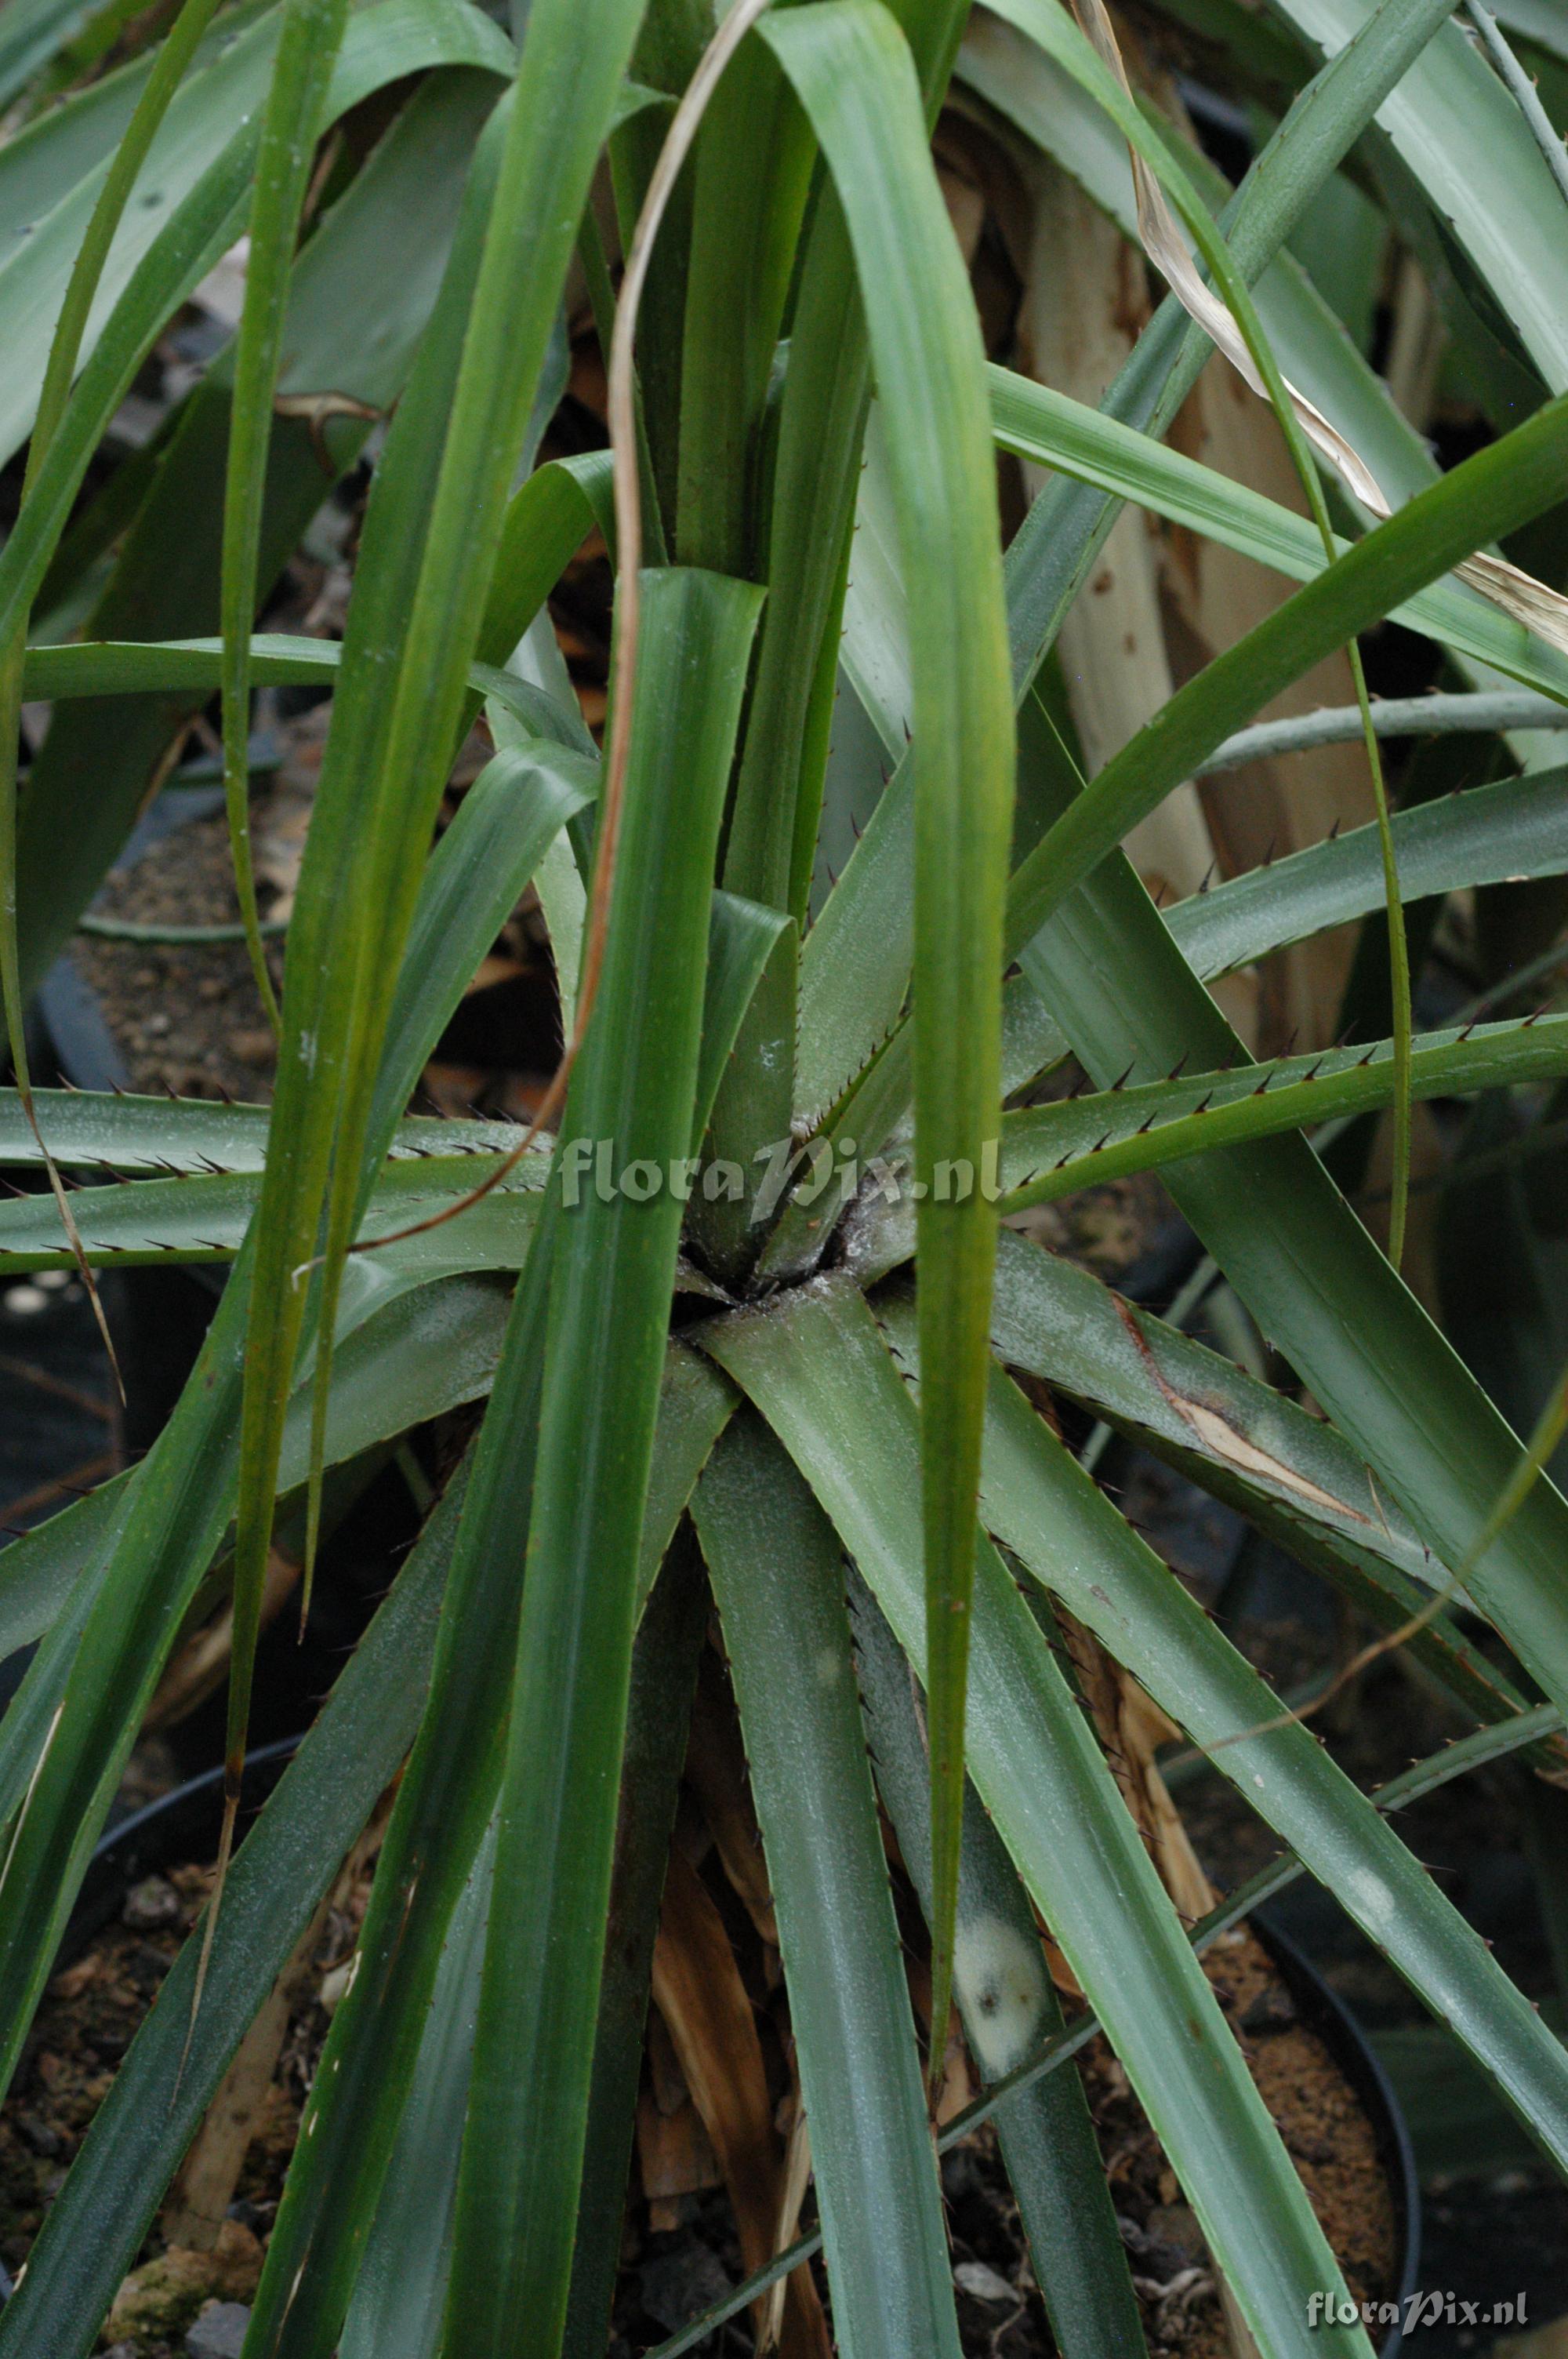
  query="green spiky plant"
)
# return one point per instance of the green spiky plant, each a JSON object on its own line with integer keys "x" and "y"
{"x": 792, "y": 1345}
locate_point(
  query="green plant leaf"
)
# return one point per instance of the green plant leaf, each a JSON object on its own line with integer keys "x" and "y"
{"x": 1297, "y": 1254}
{"x": 455, "y": 1329}
{"x": 744, "y": 938}
{"x": 820, "y": 1371}
{"x": 1054, "y": 430}
{"x": 183, "y": 1487}
{"x": 665, "y": 1659}
{"x": 473, "y": 880}
{"x": 1047, "y": 1511}
{"x": 136, "y": 667}
{"x": 401, "y": 2291}
{"x": 855, "y": 962}
{"x": 1289, "y": 1472}
{"x": 431, "y": 535}
{"x": 1038, "y": 96}
{"x": 159, "y": 2094}
{"x": 1008, "y": 2004}
{"x": 1426, "y": 1776}
{"x": 65, "y": 348}
{"x": 1487, "y": 836}
{"x": 547, "y": 518}
{"x": 198, "y": 1135}
{"x": 634, "y": 1085}
{"x": 1148, "y": 1125}
{"x": 47, "y": 156}
{"x": 205, "y": 1217}
{"x": 1455, "y": 128}
{"x": 34, "y": 30}
{"x": 447, "y": 1799}
{"x": 772, "y": 839}
{"x": 857, "y": 82}
{"x": 1488, "y": 494}
{"x": 352, "y": 326}
{"x": 778, "y": 1577}
{"x": 1050, "y": 1151}
{"x": 752, "y": 178}
{"x": 308, "y": 47}
{"x": 201, "y": 150}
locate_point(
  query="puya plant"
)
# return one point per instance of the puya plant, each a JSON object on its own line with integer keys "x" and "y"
{"x": 744, "y": 1309}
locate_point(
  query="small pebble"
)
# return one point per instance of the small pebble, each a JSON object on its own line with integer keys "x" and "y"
{"x": 981, "y": 2284}
{"x": 151, "y": 1903}
{"x": 219, "y": 2331}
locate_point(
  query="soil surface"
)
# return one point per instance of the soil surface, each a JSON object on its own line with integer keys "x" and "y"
{"x": 90, "y": 2015}
{"x": 92, "y": 2009}
{"x": 184, "y": 1017}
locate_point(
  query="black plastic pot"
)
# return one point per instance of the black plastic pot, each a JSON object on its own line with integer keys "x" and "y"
{"x": 183, "y": 1825}
{"x": 1324, "y": 2011}
{"x": 179, "y": 1826}
{"x": 158, "y": 1316}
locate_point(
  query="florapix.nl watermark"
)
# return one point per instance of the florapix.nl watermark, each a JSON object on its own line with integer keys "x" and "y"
{"x": 831, "y": 1173}
{"x": 1430, "y": 2308}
